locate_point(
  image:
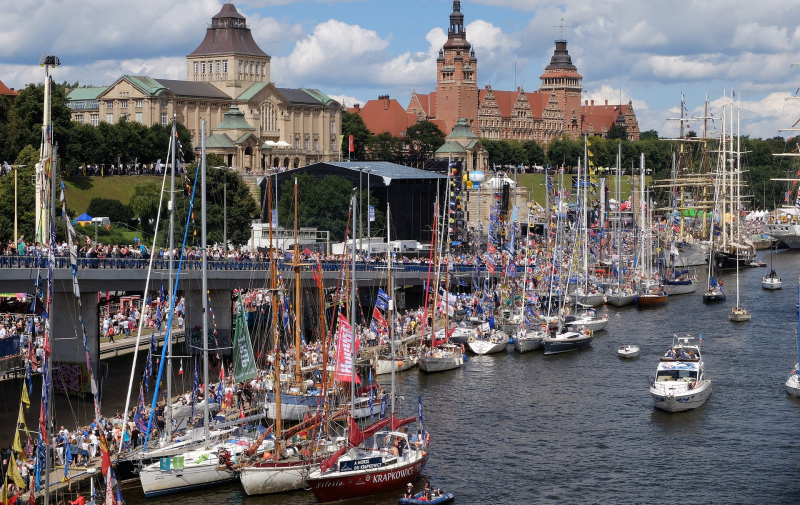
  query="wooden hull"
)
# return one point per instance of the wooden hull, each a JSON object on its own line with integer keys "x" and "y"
{"x": 651, "y": 300}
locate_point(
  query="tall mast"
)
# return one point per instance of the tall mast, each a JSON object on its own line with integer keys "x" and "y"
{"x": 275, "y": 304}
{"x": 171, "y": 304}
{"x": 353, "y": 336}
{"x": 204, "y": 245}
{"x": 390, "y": 287}
{"x": 298, "y": 317}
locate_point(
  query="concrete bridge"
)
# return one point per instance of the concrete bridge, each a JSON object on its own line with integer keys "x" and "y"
{"x": 101, "y": 275}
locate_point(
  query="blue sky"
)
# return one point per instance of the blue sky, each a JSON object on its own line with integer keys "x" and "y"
{"x": 356, "y": 50}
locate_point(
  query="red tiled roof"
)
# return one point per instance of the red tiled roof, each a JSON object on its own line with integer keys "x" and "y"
{"x": 428, "y": 103}
{"x": 600, "y": 115}
{"x": 385, "y": 115}
{"x": 538, "y": 102}
{"x": 7, "y": 92}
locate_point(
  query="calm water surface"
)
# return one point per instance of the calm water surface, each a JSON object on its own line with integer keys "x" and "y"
{"x": 581, "y": 428}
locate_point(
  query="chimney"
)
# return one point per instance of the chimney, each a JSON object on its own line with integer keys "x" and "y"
{"x": 606, "y": 103}
{"x": 586, "y": 103}
{"x": 385, "y": 99}
{"x": 592, "y": 103}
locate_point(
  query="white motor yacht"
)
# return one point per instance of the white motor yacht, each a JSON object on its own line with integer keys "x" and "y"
{"x": 680, "y": 382}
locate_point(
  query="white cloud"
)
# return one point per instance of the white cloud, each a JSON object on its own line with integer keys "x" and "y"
{"x": 753, "y": 36}
{"x": 348, "y": 101}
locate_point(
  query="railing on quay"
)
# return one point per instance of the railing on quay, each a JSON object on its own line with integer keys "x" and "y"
{"x": 196, "y": 264}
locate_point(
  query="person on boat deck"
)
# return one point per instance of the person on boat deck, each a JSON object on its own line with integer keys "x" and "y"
{"x": 409, "y": 491}
{"x": 684, "y": 355}
{"x": 402, "y": 445}
{"x": 395, "y": 448}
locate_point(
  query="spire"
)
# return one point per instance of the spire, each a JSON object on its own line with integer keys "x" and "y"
{"x": 456, "y": 35}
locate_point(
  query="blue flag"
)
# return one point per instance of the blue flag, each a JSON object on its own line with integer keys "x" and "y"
{"x": 384, "y": 405}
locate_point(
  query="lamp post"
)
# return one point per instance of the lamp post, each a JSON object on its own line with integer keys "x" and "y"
{"x": 45, "y": 153}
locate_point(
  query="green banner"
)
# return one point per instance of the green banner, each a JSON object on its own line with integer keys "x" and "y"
{"x": 243, "y": 360}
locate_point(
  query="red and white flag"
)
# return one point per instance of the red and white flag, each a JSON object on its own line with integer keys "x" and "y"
{"x": 345, "y": 351}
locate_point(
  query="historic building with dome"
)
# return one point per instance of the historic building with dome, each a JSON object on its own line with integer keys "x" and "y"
{"x": 251, "y": 123}
{"x": 549, "y": 113}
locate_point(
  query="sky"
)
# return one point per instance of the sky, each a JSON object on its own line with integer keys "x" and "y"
{"x": 356, "y": 50}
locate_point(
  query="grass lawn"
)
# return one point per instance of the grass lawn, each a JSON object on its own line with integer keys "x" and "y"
{"x": 535, "y": 184}
{"x": 81, "y": 190}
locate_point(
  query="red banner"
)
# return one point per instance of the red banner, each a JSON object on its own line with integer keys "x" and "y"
{"x": 352, "y": 148}
{"x": 345, "y": 351}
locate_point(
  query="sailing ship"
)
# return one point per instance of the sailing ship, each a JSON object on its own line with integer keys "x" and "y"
{"x": 359, "y": 469}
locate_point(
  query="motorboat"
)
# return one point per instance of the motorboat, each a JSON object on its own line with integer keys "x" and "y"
{"x": 567, "y": 339}
{"x": 421, "y": 499}
{"x": 491, "y": 343}
{"x": 680, "y": 382}
{"x": 529, "y": 339}
{"x": 590, "y": 319}
{"x": 442, "y": 358}
{"x": 628, "y": 351}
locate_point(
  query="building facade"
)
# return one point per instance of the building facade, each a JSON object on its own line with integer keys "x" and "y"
{"x": 549, "y": 113}
{"x": 227, "y": 71}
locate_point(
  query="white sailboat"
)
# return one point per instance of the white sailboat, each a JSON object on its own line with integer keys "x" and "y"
{"x": 771, "y": 281}
{"x": 206, "y": 465}
{"x": 738, "y": 313}
{"x": 793, "y": 382}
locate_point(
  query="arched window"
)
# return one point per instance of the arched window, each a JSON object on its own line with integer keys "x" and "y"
{"x": 269, "y": 117}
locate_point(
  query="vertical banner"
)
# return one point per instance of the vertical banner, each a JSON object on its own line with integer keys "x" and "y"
{"x": 371, "y": 213}
{"x": 345, "y": 351}
{"x": 352, "y": 148}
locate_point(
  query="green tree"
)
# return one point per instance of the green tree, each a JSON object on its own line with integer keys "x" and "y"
{"x": 564, "y": 151}
{"x": 385, "y": 146}
{"x": 145, "y": 203}
{"x": 114, "y": 210}
{"x": 617, "y": 132}
{"x": 26, "y": 117}
{"x": 26, "y": 196}
{"x": 324, "y": 204}
{"x": 649, "y": 134}
{"x": 353, "y": 124}
{"x": 535, "y": 153}
{"x": 425, "y": 138}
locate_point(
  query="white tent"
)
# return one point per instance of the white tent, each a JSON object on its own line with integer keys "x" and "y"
{"x": 498, "y": 182}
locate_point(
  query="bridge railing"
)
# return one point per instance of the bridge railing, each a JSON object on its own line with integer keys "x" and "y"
{"x": 196, "y": 264}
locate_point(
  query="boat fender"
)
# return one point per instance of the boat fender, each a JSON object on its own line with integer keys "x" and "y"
{"x": 267, "y": 455}
{"x": 471, "y": 339}
{"x": 399, "y": 364}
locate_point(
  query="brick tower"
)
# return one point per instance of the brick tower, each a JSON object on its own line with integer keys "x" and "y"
{"x": 562, "y": 80}
{"x": 456, "y": 74}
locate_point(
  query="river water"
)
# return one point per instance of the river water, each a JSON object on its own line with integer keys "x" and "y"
{"x": 581, "y": 428}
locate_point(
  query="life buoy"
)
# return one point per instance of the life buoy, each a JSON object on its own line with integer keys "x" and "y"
{"x": 493, "y": 340}
{"x": 543, "y": 327}
{"x": 471, "y": 339}
{"x": 692, "y": 384}
{"x": 587, "y": 332}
